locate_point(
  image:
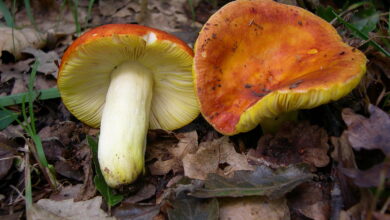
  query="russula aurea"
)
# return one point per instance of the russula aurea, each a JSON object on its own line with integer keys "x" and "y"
{"x": 127, "y": 78}
{"x": 257, "y": 59}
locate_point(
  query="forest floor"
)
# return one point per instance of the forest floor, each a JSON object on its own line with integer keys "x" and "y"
{"x": 333, "y": 163}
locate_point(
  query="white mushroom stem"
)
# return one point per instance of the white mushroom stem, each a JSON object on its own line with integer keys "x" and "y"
{"x": 124, "y": 124}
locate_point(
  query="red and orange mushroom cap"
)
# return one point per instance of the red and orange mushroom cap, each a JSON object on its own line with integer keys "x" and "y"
{"x": 257, "y": 59}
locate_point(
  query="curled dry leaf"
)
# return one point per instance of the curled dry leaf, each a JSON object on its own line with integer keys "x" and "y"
{"x": 368, "y": 133}
{"x": 292, "y": 144}
{"x": 14, "y": 41}
{"x": 253, "y": 208}
{"x": 216, "y": 156}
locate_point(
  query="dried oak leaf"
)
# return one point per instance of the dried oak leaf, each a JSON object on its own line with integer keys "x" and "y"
{"x": 292, "y": 144}
{"x": 169, "y": 153}
{"x": 47, "y": 61}
{"x": 368, "y": 133}
{"x": 14, "y": 41}
{"x": 216, "y": 156}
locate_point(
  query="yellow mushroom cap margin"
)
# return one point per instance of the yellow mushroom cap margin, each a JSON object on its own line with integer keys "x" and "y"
{"x": 84, "y": 74}
{"x": 257, "y": 59}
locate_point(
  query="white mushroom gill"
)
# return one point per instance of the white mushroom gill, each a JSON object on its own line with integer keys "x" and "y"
{"x": 124, "y": 123}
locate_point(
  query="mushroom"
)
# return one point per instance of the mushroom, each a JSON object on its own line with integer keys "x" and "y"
{"x": 127, "y": 78}
{"x": 255, "y": 60}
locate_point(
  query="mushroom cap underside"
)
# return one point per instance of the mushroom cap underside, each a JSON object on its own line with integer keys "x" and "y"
{"x": 84, "y": 74}
{"x": 257, "y": 59}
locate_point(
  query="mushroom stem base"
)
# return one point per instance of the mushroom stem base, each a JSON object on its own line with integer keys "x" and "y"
{"x": 124, "y": 124}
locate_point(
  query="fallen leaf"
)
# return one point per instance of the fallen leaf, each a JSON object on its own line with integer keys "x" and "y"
{"x": 65, "y": 131}
{"x": 67, "y": 192}
{"x": 136, "y": 212}
{"x": 368, "y": 133}
{"x": 47, "y": 61}
{"x": 253, "y": 208}
{"x": 6, "y": 156}
{"x": 381, "y": 216}
{"x": 66, "y": 169}
{"x": 13, "y": 216}
{"x": 14, "y": 41}
{"x": 187, "y": 208}
{"x": 145, "y": 192}
{"x": 292, "y": 144}
{"x": 342, "y": 151}
{"x": 359, "y": 210}
{"x": 110, "y": 7}
{"x": 311, "y": 200}
{"x": 166, "y": 15}
{"x": 68, "y": 209}
{"x": 370, "y": 177}
{"x": 169, "y": 153}
{"x": 216, "y": 156}
{"x": 263, "y": 181}
{"x": 15, "y": 70}
{"x": 56, "y": 18}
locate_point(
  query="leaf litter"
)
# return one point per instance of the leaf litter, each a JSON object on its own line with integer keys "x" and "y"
{"x": 183, "y": 166}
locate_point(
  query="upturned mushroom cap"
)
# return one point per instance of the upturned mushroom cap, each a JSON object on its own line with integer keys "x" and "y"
{"x": 257, "y": 59}
{"x": 84, "y": 74}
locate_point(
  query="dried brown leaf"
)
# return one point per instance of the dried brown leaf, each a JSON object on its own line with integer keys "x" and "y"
{"x": 292, "y": 144}
{"x": 311, "y": 200}
{"x": 169, "y": 155}
{"x": 343, "y": 152}
{"x": 14, "y": 41}
{"x": 209, "y": 157}
{"x": 47, "y": 61}
{"x": 370, "y": 177}
{"x": 68, "y": 209}
{"x": 6, "y": 156}
{"x": 145, "y": 192}
{"x": 368, "y": 133}
{"x": 254, "y": 207}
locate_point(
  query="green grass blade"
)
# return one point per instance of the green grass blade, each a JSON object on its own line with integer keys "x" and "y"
{"x": 361, "y": 35}
{"x": 41, "y": 153}
{"x": 89, "y": 13}
{"x": 28, "y": 187}
{"x": 29, "y": 13}
{"x": 25, "y": 118}
{"x": 16, "y": 99}
{"x": 74, "y": 6}
{"x": 9, "y": 20}
{"x": 31, "y": 93}
{"x": 6, "y": 118}
{"x": 192, "y": 8}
